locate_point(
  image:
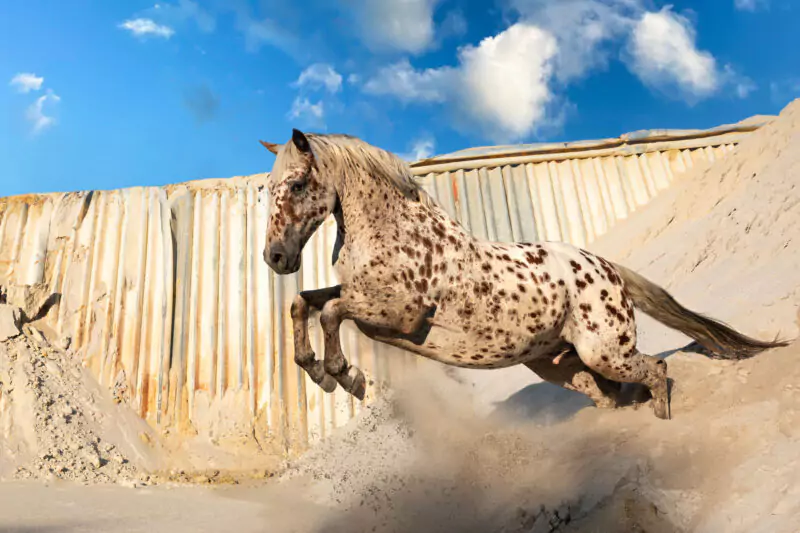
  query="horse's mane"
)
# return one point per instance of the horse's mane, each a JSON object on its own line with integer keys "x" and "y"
{"x": 345, "y": 155}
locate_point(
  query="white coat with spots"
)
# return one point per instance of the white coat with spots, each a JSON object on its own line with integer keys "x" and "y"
{"x": 413, "y": 278}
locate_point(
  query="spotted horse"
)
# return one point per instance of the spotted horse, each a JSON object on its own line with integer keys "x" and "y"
{"x": 413, "y": 278}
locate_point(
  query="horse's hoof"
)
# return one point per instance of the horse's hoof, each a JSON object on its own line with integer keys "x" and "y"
{"x": 328, "y": 383}
{"x": 318, "y": 375}
{"x": 359, "y": 385}
{"x": 606, "y": 404}
{"x": 661, "y": 409}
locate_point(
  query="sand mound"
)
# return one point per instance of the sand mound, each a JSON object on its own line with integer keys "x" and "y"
{"x": 56, "y": 422}
{"x": 724, "y": 239}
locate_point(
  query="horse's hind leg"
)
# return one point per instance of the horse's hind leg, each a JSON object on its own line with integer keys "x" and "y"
{"x": 629, "y": 366}
{"x": 303, "y": 353}
{"x": 572, "y": 374}
{"x": 349, "y": 377}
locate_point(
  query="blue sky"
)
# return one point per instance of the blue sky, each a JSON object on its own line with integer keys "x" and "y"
{"x": 104, "y": 95}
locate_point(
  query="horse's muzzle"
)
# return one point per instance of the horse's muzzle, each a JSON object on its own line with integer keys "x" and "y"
{"x": 281, "y": 260}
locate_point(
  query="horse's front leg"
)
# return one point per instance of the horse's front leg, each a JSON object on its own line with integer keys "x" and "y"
{"x": 303, "y": 353}
{"x": 351, "y": 378}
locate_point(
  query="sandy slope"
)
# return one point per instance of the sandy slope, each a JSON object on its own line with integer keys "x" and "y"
{"x": 57, "y": 423}
{"x": 724, "y": 241}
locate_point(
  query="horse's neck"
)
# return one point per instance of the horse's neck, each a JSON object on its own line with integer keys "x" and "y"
{"x": 370, "y": 215}
{"x": 371, "y": 206}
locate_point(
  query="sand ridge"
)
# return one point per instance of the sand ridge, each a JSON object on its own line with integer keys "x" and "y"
{"x": 53, "y": 418}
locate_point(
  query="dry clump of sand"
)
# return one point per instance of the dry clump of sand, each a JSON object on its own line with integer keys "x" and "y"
{"x": 57, "y": 422}
{"x": 51, "y": 419}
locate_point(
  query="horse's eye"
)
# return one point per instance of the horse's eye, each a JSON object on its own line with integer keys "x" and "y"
{"x": 298, "y": 187}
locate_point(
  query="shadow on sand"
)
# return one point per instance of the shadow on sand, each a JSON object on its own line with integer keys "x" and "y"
{"x": 548, "y": 404}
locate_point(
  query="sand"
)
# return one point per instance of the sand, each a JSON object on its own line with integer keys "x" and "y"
{"x": 57, "y": 423}
{"x": 497, "y": 451}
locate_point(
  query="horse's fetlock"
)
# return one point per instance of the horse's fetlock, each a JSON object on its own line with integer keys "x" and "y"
{"x": 315, "y": 371}
{"x": 336, "y": 366}
{"x": 303, "y": 358}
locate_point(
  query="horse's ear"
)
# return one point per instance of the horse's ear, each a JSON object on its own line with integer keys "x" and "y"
{"x": 272, "y": 147}
{"x": 301, "y": 141}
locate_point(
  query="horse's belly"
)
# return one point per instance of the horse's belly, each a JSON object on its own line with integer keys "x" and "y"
{"x": 462, "y": 349}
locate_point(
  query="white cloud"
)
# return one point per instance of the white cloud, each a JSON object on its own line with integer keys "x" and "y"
{"x": 421, "y": 148}
{"x": 509, "y": 86}
{"x": 162, "y": 19}
{"x": 664, "y": 56}
{"x": 581, "y": 29}
{"x": 26, "y": 82}
{"x": 303, "y": 108}
{"x": 741, "y": 85}
{"x": 182, "y": 11}
{"x": 744, "y": 88}
{"x": 555, "y": 43}
{"x": 282, "y": 25}
{"x": 407, "y": 84}
{"x": 258, "y": 33}
{"x": 453, "y": 25}
{"x": 750, "y": 5}
{"x": 506, "y": 80}
{"x": 320, "y": 75}
{"x": 401, "y": 25}
{"x": 501, "y": 85}
{"x": 661, "y": 49}
{"x": 36, "y": 112}
{"x": 142, "y": 27}
{"x": 782, "y": 92}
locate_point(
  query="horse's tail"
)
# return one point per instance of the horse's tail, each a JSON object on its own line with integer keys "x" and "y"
{"x": 712, "y": 334}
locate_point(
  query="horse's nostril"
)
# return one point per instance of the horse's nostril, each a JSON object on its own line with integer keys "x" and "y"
{"x": 276, "y": 257}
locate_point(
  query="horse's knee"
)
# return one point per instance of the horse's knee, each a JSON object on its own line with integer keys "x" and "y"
{"x": 299, "y": 309}
{"x": 329, "y": 317}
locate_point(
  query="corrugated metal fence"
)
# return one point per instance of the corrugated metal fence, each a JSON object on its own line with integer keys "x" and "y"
{"x": 571, "y": 192}
{"x": 168, "y": 286}
{"x": 166, "y": 289}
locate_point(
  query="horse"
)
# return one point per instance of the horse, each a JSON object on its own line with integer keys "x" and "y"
{"x": 413, "y": 278}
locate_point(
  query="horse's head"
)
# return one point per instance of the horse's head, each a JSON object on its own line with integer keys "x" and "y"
{"x": 300, "y": 200}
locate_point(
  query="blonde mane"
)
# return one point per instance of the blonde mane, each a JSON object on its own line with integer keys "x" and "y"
{"x": 345, "y": 155}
